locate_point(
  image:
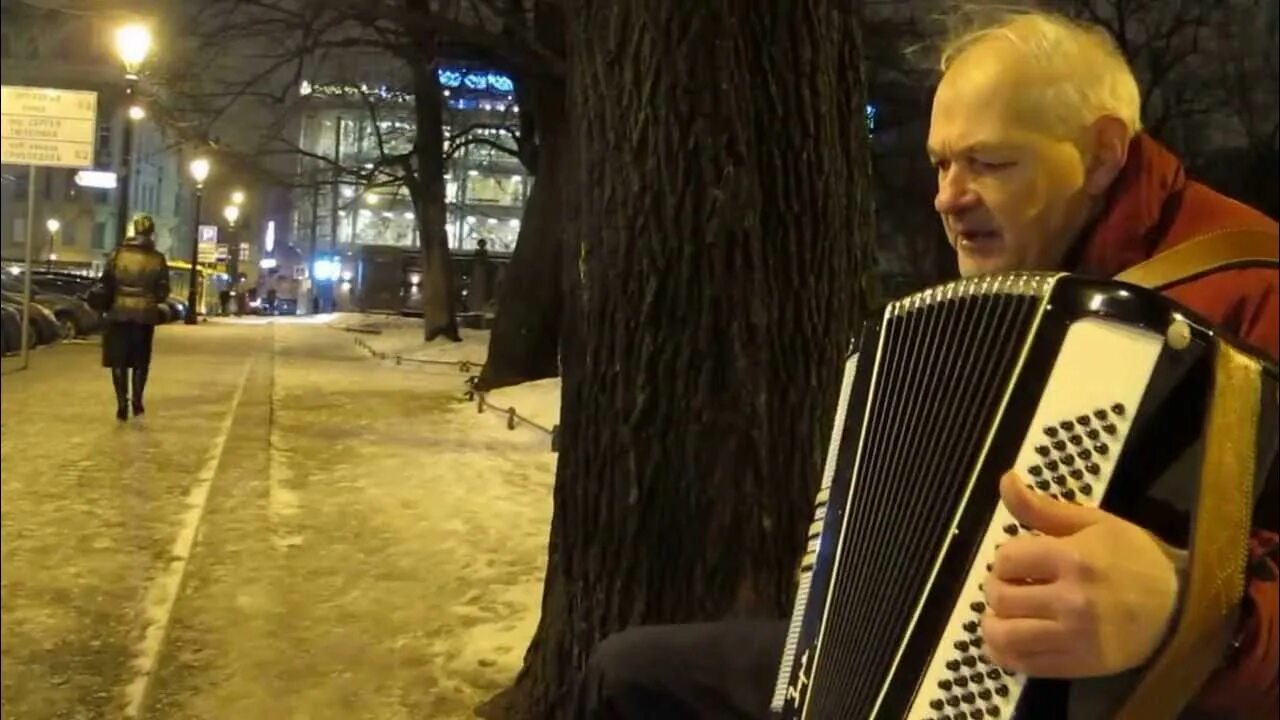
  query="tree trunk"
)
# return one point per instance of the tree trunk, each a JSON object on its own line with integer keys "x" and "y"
{"x": 724, "y": 223}
{"x": 524, "y": 345}
{"x": 439, "y": 319}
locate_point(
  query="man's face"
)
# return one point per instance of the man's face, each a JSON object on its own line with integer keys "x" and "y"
{"x": 1011, "y": 195}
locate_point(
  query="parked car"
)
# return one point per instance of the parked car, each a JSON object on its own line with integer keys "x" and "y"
{"x": 74, "y": 315}
{"x": 44, "y": 324}
{"x": 11, "y": 337}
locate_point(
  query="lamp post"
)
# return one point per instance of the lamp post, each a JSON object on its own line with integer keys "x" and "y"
{"x": 232, "y": 214}
{"x": 200, "y": 172}
{"x": 52, "y": 225}
{"x": 133, "y": 43}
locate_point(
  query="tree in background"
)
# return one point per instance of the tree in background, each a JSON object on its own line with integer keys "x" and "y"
{"x": 723, "y": 222}
{"x": 247, "y": 61}
{"x": 525, "y": 341}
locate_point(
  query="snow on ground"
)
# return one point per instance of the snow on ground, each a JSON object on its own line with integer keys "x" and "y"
{"x": 401, "y": 336}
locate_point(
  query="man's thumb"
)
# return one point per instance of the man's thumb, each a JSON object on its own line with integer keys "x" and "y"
{"x": 1040, "y": 512}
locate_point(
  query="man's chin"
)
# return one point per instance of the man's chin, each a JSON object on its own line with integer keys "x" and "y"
{"x": 986, "y": 265}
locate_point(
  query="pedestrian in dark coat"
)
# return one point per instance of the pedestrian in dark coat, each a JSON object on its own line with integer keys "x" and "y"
{"x": 137, "y": 277}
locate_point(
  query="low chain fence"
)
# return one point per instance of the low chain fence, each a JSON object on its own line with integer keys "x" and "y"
{"x": 512, "y": 416}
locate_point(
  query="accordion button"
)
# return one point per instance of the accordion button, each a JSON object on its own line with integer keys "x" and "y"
{"x": 978, "y": 606}
{"x": 1084, "y": 421}
{"x": 1043, "y": 450}
{"x": 1035, "y": 471}
{"x": 1068, "y": 460}
{"x": 975, "y": 714}
{"x": 968, "y": 698}
{"x": 953, "y": 665}
{"x": 1069, "y": 495}
{"x": 945, "y": 686}
{"x": 1011, "y": 529}
{"x": 1118, "y": 409}
{"x": 1109, "y": 428}
{"x": 971, "y": 627}
{"x": 953, "y": 701}
{"x": 1076, "y": 474}
{"x": 1042, "y": 484}
{"x": 993, "y": 711}
{"x": 1076, "y": 440}
{"x": 1100, "y": 413}
{"x": 1092, "y": 433}
{"x": 1051, "y": 465}
{"x": 1059, "y": 445}
{"x": 961, "y": 645}
{"x": 1092, "y": 468}
{"x": 993, "y": 674}
{"x": 937, "y": 704}
{"x": 1086, "y": 489}
{"x": 1067, "y": 425}
{"x": 1085, "y": 453}
{"x": 1051, "y": 431}
{"x": 976, "y": 643}
{"x": 969, "y": 661}
{"x": 1060, "y": 480}
{"x": 1002, "y": 690}
{"x": 984, "y": 694}
{"x": 1101, "y": 448}
{"x": 961, "y": 682}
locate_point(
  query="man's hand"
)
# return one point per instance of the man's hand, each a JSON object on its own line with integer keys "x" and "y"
{"x": 1092, "y": 596}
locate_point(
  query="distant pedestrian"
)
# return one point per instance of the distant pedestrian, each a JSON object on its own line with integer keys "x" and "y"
{"x": 137, "y": 277}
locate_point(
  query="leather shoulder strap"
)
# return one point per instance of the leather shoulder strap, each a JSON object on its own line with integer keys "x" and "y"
{"x": 1206, "y": 254}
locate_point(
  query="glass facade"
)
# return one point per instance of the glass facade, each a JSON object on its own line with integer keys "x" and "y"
{"x": 485, "y": 185}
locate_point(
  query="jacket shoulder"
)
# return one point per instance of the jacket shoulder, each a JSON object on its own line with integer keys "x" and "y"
{"x": 1202, "y": 210}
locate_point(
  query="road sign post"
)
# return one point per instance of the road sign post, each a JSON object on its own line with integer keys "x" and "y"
{"x": 44, "y": 127}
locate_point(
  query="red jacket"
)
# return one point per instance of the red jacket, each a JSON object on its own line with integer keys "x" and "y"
{"x": 1152, "y": 207}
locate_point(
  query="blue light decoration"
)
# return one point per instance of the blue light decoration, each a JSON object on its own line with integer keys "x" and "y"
{"x": 501, "y": 83}
{"x": 871, "y": 118}
{"x": 480, "y": 81}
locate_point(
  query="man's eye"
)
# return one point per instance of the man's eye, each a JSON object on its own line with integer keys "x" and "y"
{"x": 941, "y": 165}
{"x": 989, "y": 166}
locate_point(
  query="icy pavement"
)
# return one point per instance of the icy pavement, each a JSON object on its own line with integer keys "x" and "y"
{"x": 366, "y": 545}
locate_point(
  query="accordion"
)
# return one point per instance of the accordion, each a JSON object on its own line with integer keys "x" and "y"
{"x": 1098, "y": 393}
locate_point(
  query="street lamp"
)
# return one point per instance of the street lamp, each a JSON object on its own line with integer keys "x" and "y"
{"x": 52, "y": 225}
{"x": 232, "y": 214}
{"x": 133, "y": 43}
{"x": 199, "y": 172}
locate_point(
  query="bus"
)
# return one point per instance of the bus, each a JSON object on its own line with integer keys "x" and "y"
{"x": 180, "y": 284}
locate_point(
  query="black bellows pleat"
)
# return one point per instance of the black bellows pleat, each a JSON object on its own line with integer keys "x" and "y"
{"x": 943, "y": 369}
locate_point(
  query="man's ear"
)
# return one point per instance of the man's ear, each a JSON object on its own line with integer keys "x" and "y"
{"x": 1108, "y": 151}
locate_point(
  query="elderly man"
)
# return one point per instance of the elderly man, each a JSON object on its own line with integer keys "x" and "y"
{"x": 1042, "y": 164}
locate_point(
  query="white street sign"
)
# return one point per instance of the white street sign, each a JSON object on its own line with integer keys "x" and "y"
{"x": 208, "y": 235}
{"x": 48, "y": 127}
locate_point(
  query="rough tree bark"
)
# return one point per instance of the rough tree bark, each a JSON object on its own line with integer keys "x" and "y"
{"x": 723, "y": 220}
{"x": 426, "y": 188}
{"x": 524, "y": 345}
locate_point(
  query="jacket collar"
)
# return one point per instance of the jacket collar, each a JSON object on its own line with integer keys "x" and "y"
{"x": 1137, "y": 212}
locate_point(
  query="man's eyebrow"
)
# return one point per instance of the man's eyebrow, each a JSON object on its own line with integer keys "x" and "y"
{"x": 980, "y": 146}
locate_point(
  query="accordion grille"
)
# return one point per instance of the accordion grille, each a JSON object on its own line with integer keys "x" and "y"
{"x": 943, "y": 367}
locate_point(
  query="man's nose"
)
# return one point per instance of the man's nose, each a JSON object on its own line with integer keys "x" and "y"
{"x": 955, "y": 193}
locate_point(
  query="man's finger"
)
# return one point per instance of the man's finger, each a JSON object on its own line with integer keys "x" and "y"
{"x": 1049, "y": 516}
{"x": 1014, "y": 600}
{"x": 1014, "y": 643}
{"x": 1029, "y": 558}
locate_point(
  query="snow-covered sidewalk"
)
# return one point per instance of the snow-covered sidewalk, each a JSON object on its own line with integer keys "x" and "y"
{"x": 399, "y": 340}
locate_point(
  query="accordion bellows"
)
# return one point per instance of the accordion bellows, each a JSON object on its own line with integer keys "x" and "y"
{"x": 1096, "y": 391}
